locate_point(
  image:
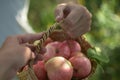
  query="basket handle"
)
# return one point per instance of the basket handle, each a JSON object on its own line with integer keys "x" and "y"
{"x": 38, "y": 48}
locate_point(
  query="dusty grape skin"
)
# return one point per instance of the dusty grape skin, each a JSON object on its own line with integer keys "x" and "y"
{"x": 58, "y": 68}
{"x": 57, "y": 49}
{"x": 40, "y": 71}
{"x": 82, "y": 66}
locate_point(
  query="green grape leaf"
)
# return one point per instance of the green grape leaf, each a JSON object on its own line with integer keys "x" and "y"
{"x": 96, "y": 53}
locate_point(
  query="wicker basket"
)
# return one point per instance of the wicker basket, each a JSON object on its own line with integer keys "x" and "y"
{"x": 59, "y": 35}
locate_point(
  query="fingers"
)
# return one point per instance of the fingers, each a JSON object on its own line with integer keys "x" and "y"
{"x": 76, "y": 14}
{"x": 59, "y": 14}
{"x": 28, "y": 54}
{"x": 29, "y": 37}
{"x": 77, "y": 20}
{"x": 31, "y": 46}
{"x": 23, "y": 56}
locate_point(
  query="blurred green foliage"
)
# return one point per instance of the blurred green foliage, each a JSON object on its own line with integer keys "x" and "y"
{"x": 105, "y": 30}
{"x": 41, "y": 14}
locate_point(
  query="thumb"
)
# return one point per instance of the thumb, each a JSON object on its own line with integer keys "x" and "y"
{"x": 59, "y": 12}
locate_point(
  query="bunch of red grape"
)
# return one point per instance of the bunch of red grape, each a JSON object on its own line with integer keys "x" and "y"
{"x": 63, "y": 60}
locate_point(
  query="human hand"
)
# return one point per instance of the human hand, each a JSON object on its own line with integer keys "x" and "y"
{"x": 16, "y": 52}
{"x": 76, "y": 19}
